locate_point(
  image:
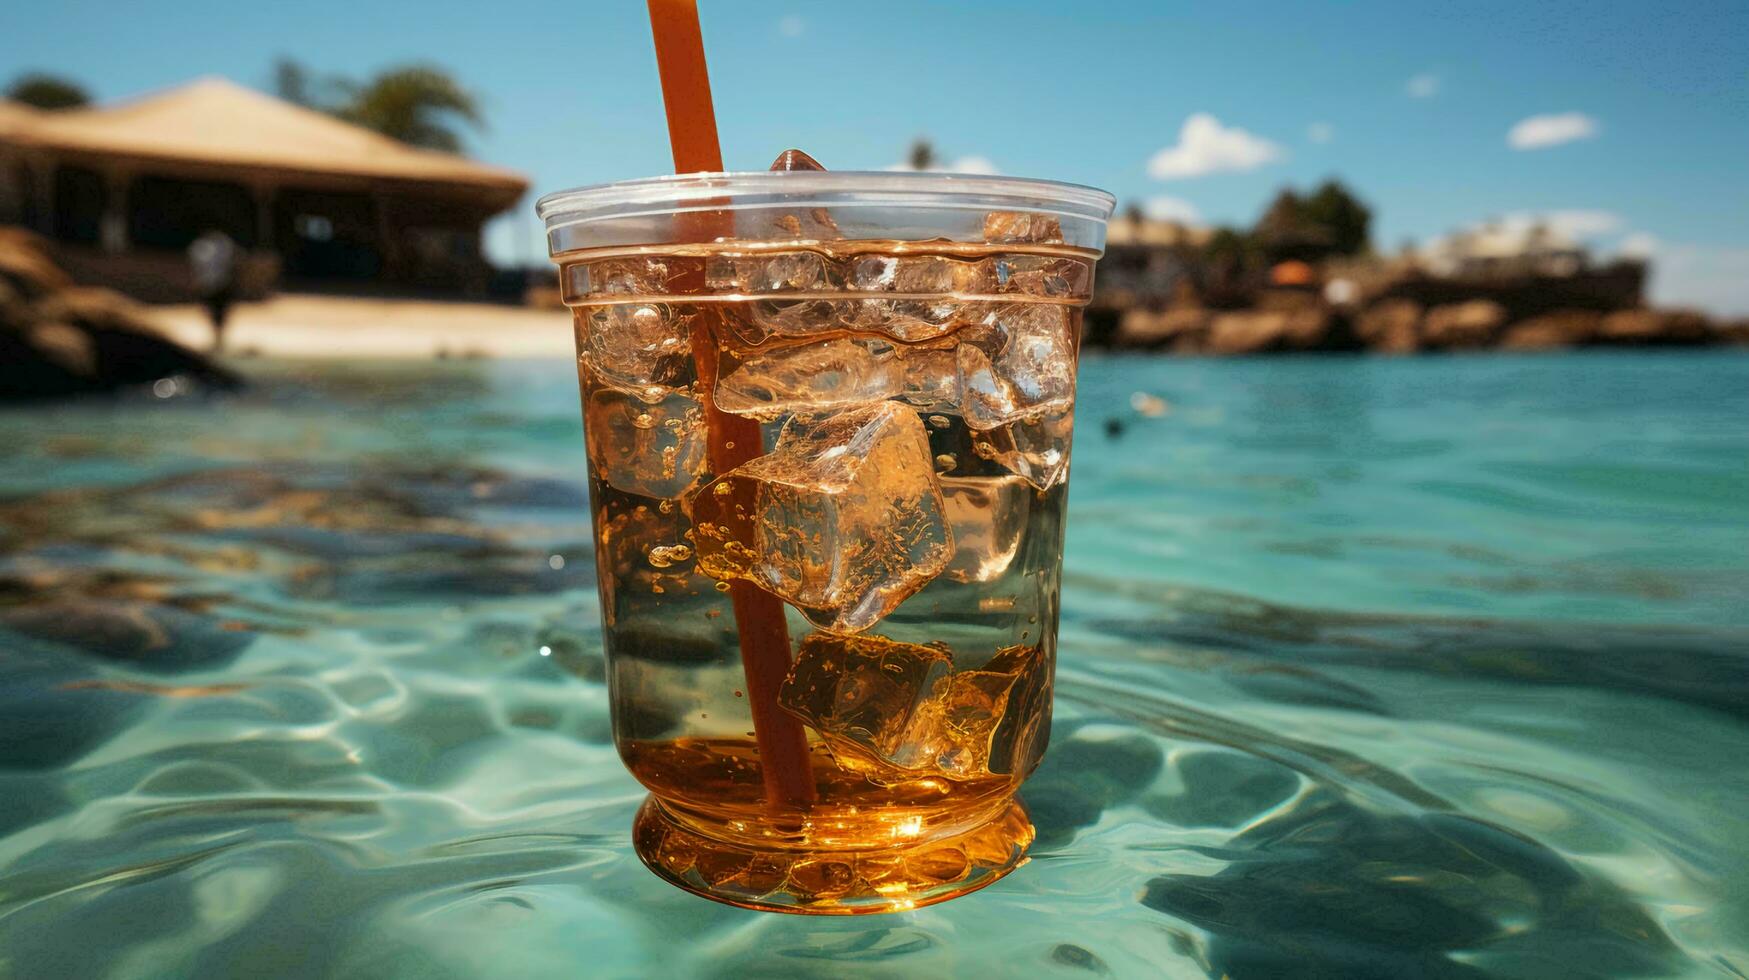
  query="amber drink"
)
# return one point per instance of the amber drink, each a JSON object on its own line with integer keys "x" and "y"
{"x": 828, "y": 452}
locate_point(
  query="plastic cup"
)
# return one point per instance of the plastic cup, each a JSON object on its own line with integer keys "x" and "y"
{"x": 828, "y": 418}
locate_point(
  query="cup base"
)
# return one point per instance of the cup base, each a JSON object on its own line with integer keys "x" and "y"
{"x": 832, "y": 882}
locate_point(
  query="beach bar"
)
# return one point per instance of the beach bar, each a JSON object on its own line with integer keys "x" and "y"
{"x": 120, "y": 191}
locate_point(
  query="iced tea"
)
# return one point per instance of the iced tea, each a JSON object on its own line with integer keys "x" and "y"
{"x": 913, "y": 402}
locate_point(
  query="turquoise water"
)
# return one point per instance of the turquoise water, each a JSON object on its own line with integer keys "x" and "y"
{"x": 1370, "y": 669}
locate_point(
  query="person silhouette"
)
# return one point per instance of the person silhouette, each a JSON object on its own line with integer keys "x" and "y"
{"x": 212, "y": 260}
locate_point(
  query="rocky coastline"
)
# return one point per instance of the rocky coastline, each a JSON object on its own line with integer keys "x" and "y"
{"x": 1302, "y": 322}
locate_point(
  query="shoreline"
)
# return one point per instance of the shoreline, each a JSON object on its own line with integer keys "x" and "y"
{"x": 310, "y": 326}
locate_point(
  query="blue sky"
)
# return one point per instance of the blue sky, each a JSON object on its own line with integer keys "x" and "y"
{"x": 1637, "y": 132}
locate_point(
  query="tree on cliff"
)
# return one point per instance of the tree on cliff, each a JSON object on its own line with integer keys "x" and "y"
{"x": 1341, "y": 215}
{"x": 420, "y": 105}
{"x": 45, "y": 91}
{"x": 1330, "y": 221}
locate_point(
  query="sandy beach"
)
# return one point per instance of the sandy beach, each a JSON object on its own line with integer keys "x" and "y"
{"x": 313, "y": 326}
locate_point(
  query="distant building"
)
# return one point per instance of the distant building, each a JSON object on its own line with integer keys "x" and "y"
{"x": 1145, "y": 259}
{"x": 1529, "y": 268}
{"x": 120, "y": 191}
{"x": 1148, "y": 264}
{"x": 1505, "y": 250}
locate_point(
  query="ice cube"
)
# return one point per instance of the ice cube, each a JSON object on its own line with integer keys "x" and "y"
{"x": 815, "y": 376}
{"x": 652, "y": 449}
{"x": 951, "y": 734}
{"x": 794, "y": 159}
{"x": 1041, "y": 275}
{"x": 814, "y": 223}
{"x": 861, "y": 692}
{"x": 907, "y": 298}
{"x": 780, "y": 272}
{"x": 766, "y": 318}
{"x": 620, "y": 277}
{"x": 926, "y": 274}
{"x": 641, "y": 348}
{"x": 873, "y": 273}
{"x": 1024, "y": 727}
{"x": 988, "y": 515}
{"x": 1018, "y": 361}
{"x": 930, "y": 378}
{"x": 846, "y": 520}
{"x": 1003, "y": 227}
{"x": 907, "y": 320}
{"x": 1036, "y": 448}
{"x": 929, "y": 281}
{"x": 893, "y": 711}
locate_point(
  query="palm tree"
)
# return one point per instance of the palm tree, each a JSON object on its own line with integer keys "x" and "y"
{"x": 417, "y": 104}
{"x": 291, "y": 82}
{"x": 46, "y": 91}
{"x": 922, "y": 155}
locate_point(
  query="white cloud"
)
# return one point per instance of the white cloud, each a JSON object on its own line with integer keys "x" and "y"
{"x": 1714, "y": 278}
{"x": 1537, "y": 132}
{"x": 973, "y": 164}
{"x": 1422, "y": 86}
{"x": 791, "y": 26}
{"x": 1320, "y": 132}
{"x": 1207, "y": 147}
{"x": 1166, "y": 208}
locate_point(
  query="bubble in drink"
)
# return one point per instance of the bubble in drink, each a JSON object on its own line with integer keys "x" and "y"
{"x": 988, "y": 515}
{"x": 847, "y": 522}
{"x": 1036, "y": 449}
{"x": 810, "y": 377}
{"x": 650, "y": 449}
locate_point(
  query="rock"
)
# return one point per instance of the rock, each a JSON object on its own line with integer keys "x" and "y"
{"x": 144, "y": 635}
{"x": 14, "y": 308}
{"x": 1470, "y": 325}
{"x": 1391, "y": 326}
{"x": 58, "y": 340}
{"x": 1256, "y": 332}
{"x": 66, "y": 346}
{"x": 26, "y": 267}
{"x": 1646, "y": 327}
{"x": 1552, "y": 331}
{"x": 1181, "y": 330}
{"x": 1279, "y": 300}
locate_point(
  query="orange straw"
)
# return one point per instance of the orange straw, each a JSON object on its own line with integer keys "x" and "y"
{"x": 692, "y": 130}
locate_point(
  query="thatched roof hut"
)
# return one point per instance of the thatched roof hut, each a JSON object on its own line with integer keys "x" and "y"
{"x": 121, "y": 190}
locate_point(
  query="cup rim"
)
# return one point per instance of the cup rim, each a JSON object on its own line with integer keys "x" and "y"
{"x": 748, "y": 190}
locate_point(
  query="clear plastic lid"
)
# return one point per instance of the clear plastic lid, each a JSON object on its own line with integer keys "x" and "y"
{"x": 859, "y": 205}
